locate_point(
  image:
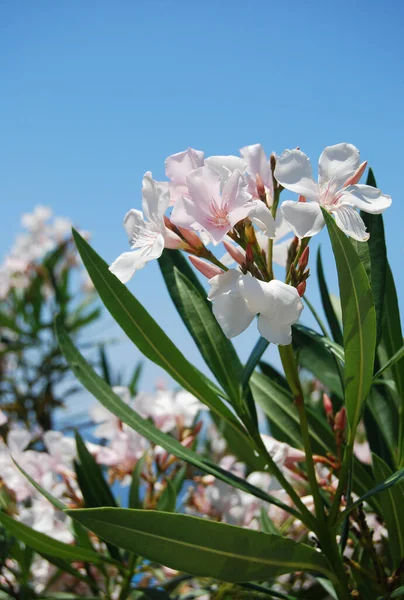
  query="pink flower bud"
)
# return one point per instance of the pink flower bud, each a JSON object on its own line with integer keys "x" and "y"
{"x": 249, "y": 254}
{"x": 192, "y": 238}
{"x": 304, "y": 259}
{"x": 260, "y": 186}
{"x": 302, "y": 199}
{"x": 204, "y": 267}
{"x": 301, "y": 288}
{"x": 235, "y": 252}
{"x": 357, "y": 175}
{"x": 328, "y": 409}
{"x": 340, "y": 420}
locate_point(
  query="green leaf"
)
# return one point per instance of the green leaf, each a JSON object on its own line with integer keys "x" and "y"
{"x": 267, "y": 525}
{"x": 195, "y": 310}
{"x": 328, "y": 308}
{"x": 145, "y": 333}
{"x": 96, "y": 491}
{"x": 253, "y": 360}
{"x": 101, "y": 390}
{"x": 168, "y": 498}
{"x": 201, "y": 547}
{"x": 392, "y": 361}
{"x": 398, "y": 593}
{"x": 46, "y": 545}
{"x": 377, "y": 258}
{"x": 317, "y": 354}
{"x": 359, "y": 322}
{"x": 391, "y": 497}
{"x": 55, "y": 501}
{"x": 134, "y": 496}
{"x": 390, "y": 480}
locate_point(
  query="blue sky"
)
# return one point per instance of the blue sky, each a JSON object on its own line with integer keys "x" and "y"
{"x": 93, "y": 94}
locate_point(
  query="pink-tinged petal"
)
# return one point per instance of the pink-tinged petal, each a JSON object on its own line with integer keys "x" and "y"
{"x": 274, "y": 332}
{"x": 337, "y": 164}
{"x": 204, "y": 267}
{"x": 234, "y": 192}
{"x": 179, "y": 166}
{"x": 305, "y": 218}
{"x": 240, "y": 213}
{"x": 133, "y": 223}
{"x": 176, "y": 191}
{"x": 257, "y": 164}
{"x": 172, "y": 241}
{"x": 183, "y": 214}
{"x": 350, "y": 222}
{"x": 225, "y": 165}
{"x": 262, "y": 217}
{"x": 18, "y": 440}
{"x": 204, "y": 186}
{"x": 366, "y": 198}
{"x": 155, "y": 199}
{"x": 294, "y": 172}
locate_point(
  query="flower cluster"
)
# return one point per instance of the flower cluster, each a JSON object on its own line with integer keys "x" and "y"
{"x": 234, "y": 200}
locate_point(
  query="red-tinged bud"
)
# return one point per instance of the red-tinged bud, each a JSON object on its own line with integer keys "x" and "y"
{"x": 260, "y": 187}
{"x": 340, "y": 420}
{"x": 188, "y": 441}
{"x": 302, "y": 199}
{"x": 301, "y": 288}
{"x": 235, "y": 252}
{"x": 328, "y": 409}
{"x": 304, "y": 259}
{"x": 357, "y": 175}
{"x": 204, "y": 267}
{"x": 191, "y": 237}
{"x": 272, "y": 161}
{"x": 249, "y": 255}
{"x": 197, "y": 428}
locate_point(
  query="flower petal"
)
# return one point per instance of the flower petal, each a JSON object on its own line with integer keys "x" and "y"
{"x": 366, "y": 198}
{"x": 304, "y": 218}
{"x": 179, "y": 166}
{"x": 133, "y": 223}
{"x": 262, "y": 217}
{"x": 274, "y": 332}
{"x": 258, "y": 164}
{"x": 155, "y": 199}
{"x": 350, "y": 222}
{"x": 337, "y": 164}
{"x": 125, "y": 266}
{"x": 280, "y": 252}
{"x": 293, "y": 171}
{"x": 225, "y": 165}
{"x": 229, "y": 306}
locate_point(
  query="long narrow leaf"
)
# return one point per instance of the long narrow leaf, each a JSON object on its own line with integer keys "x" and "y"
{"x": 201, "y": 547}
{"x": 359, "y": 322}
{"x": 329, "y": 311}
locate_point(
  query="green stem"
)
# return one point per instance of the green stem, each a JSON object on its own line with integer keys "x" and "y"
{"x": 125, "y": 590}
{"x": 342, "y": 481}
{"x": 292, "y": 376}
{"x": 330, "y": 549}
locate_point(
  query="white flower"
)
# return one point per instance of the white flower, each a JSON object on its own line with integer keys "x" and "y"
{"x": 146, "y": 231}
{"x": 238, "y": 298}
{"x": 337, "y": 191}
{"x": 167, "y": 408}
{"x": 257, "y": 163}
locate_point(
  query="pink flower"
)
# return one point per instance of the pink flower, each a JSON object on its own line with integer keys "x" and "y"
{"x": 337, "y": 190}
{"x": 178, "y": 167}
{"x": 214, "y": 206}
{"x": 258, "y": 164}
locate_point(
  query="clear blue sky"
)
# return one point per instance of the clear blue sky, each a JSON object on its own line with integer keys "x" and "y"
{"x": 93, "y": 94}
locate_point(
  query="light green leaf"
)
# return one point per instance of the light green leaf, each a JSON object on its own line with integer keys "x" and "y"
{"x": 145, "y": 333}
{"x": 392, "y": 361}
{"x": 101, "y": 390}
{"x": 359, "y": 322}
{"x": 201, "y": 547}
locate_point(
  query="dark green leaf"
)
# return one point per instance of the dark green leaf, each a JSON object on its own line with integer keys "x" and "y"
{"x": 328, "y": 308}
{"x": 134, "y": 495}
{"x": 201, "y": 547}
{"x": 196, "y": 312}
{"x": 97, "y": 491}
{"x": 253, "y": 360}
{"x": 267, "y": 525}
{"x": 100, "y": 390}
{"x": 168, "y": 498}
{"x": 392, "y": 361}
{"x": 46, "y": 545}
{"x": 359, "y": 322}
{"x": 145, "y": 333}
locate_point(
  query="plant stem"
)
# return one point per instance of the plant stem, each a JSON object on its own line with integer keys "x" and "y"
{"x": 341, "y": 482}
{"x": 125, "y": 590}
{"x": 292, "y": 376}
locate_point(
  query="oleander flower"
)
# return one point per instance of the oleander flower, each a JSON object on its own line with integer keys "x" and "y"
{"x": 147, "y": 232}
{"x": 337, "y": 190}
{"x": 238, "y": 298}
{"x": 214, "y": 206}
{"x": 258, "y": 167}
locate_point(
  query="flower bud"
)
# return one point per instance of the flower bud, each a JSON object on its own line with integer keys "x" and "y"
{"x": 235, "y": 252}
{"x": 304, "y": 259}
{"x": 357, "y": 175}
{"x": 249, "y": 255}
{"x": 340, "y": 420}
{"x": 205, "y": 268}
{"x": 191, "y": 237}
{"x": 328, "y": 408}
{"x": 301, "y": 288}
{"x": 302, "y": 199}
{"x": 260, "y": 187}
